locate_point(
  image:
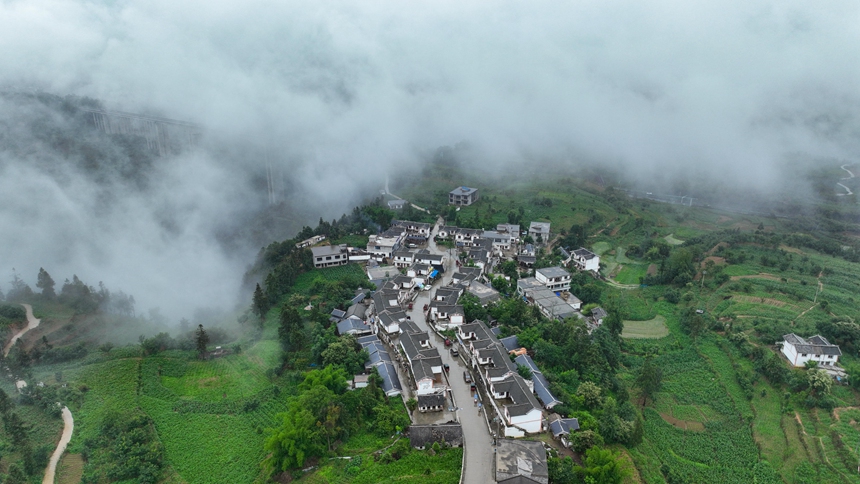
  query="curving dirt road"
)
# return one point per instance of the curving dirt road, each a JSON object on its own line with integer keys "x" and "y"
{"x": 32, "y": 322}
{"x": 68, "y": 427}
{"x": 68, "y": 420}
{"x": 850, "y": 176}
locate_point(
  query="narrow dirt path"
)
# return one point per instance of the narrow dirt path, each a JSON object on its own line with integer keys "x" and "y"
{"x": 68, "y": 428}
{"x": 68, "y": 420}
{"x": 850, "y": 176}
{"x": 32, "y": 322}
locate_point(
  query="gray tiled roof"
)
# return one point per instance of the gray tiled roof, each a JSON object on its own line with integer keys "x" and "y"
{"x": 816, "y": 345}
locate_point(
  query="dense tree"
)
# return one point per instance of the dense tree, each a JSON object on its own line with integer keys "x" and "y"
{"x": 603, "y": 466}
{"x": 201, "y": 340}
{"x": 614, "y": 320}
{"x": 46, "y": 284}
{"x": 291, "y": 328}
{"x": 649, "y": 380}
{"x": 260, "y": 303}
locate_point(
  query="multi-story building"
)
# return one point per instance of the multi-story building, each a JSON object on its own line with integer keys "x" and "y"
{"x": 330, "y": 255}
{"x": 463, "y": 196}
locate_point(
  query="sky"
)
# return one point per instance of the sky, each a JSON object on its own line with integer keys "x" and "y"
{"x": 343, "y": 91}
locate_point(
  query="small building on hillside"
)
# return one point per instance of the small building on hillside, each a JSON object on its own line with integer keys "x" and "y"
{"x": 817, "y": 348}
{"x": 539, "y": 231}
{"x": 330, "y": 256}
{"x": 463, "y": 196}
{"x": 586, "y": 260}
{"x": 397, "y": 204}
{"x": 562, "y": 428}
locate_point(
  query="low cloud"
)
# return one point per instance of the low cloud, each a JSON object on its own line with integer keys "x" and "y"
{"x": 337, "y": 93}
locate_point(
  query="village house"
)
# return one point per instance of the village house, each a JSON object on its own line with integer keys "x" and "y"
{"x": 539, "y": 384}
{"x": 431, "y": 402}
{"x": 466, "y": 275}
{"x": 425, "y": 257}
{"x": 500, "y": 240}
{"x": 379, "y": 358}
{"x": 388, "y": 324}
{"x": 330, "y": 255}
{"x": 316, "y": 239}
{"x": 512, "y": 230}
{"x": 463, "y": 196}
{"x": 397, "y": 204}
{"x": 561, "y": 429}
{"x": 445, "y": 314}
{"x": 512, "y": 398}
{"x": 817, "y": 348}
{"x": 485, "y": 294}
{"x": 383, "y": 246}
{"x": 586, "y": 260}
{"x": 520, "y": 462}
{"x": 354, "y": 326}
{"x": 554, "y": 278}
{"x": 403, "y": 258}
{"x": 539, "y": 231}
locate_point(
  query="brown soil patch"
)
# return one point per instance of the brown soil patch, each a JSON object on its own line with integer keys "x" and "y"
{"x": 71, "y": 469}
{"x": 718, "y": 261}
{"x": 838, "y": 410}
{"x": 683, "y": 424}
{"x": 652, "y": 270}
{"x": 723, "y": 219}
{"x": 793, "y": 250}
{"x": 762, "y": 275}
{"x": 765, "y": 300}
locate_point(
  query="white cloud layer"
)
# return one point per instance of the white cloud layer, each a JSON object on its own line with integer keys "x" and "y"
{"x": 727, "y": 88}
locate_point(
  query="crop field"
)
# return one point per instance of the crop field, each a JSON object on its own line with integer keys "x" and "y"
{"x": 305, "y": 281}
{"x": 231, "y": 377}
{"x": 70, "y": 469}
{"x": 653, "y": 328}
{"x": 112, "y": 387}
{"x": 417, "y": 466}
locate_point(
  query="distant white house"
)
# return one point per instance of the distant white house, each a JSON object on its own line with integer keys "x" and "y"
{"x": 586, "y": 260}
{"x": 817, "y": 348}
{"x": 463, "y": 196}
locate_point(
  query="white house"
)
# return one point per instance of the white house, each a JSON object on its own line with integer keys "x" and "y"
{"x": 554, "y": 278}
{"x": 463, "y": 196}
{"x": 539, "y": 231}
{"x": 383, "y": 246}
{"x": 586, "y": 260}
{"x": 817, "y": 348}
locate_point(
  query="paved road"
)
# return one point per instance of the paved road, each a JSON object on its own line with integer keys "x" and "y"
{"x": 477, "y": 440}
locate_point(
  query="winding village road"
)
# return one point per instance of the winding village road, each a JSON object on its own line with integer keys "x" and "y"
{"x": 850, "y": 176}
{"x": 68, "y": 420}
{"x": 477, "y": 441}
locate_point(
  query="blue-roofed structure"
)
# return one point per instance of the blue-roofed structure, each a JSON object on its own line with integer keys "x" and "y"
{"x": 390, "y": 381}
{"x": 541, "y": 386}
{"x": 353, "y": 325}
{"x": 510, "y": 343}
{"x": 562, "y": 428}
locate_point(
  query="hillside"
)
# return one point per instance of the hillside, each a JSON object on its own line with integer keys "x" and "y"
{"x": 701, "y": 294}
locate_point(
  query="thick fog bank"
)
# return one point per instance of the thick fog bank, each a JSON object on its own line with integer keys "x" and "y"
{"x": 333, "y": 95}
